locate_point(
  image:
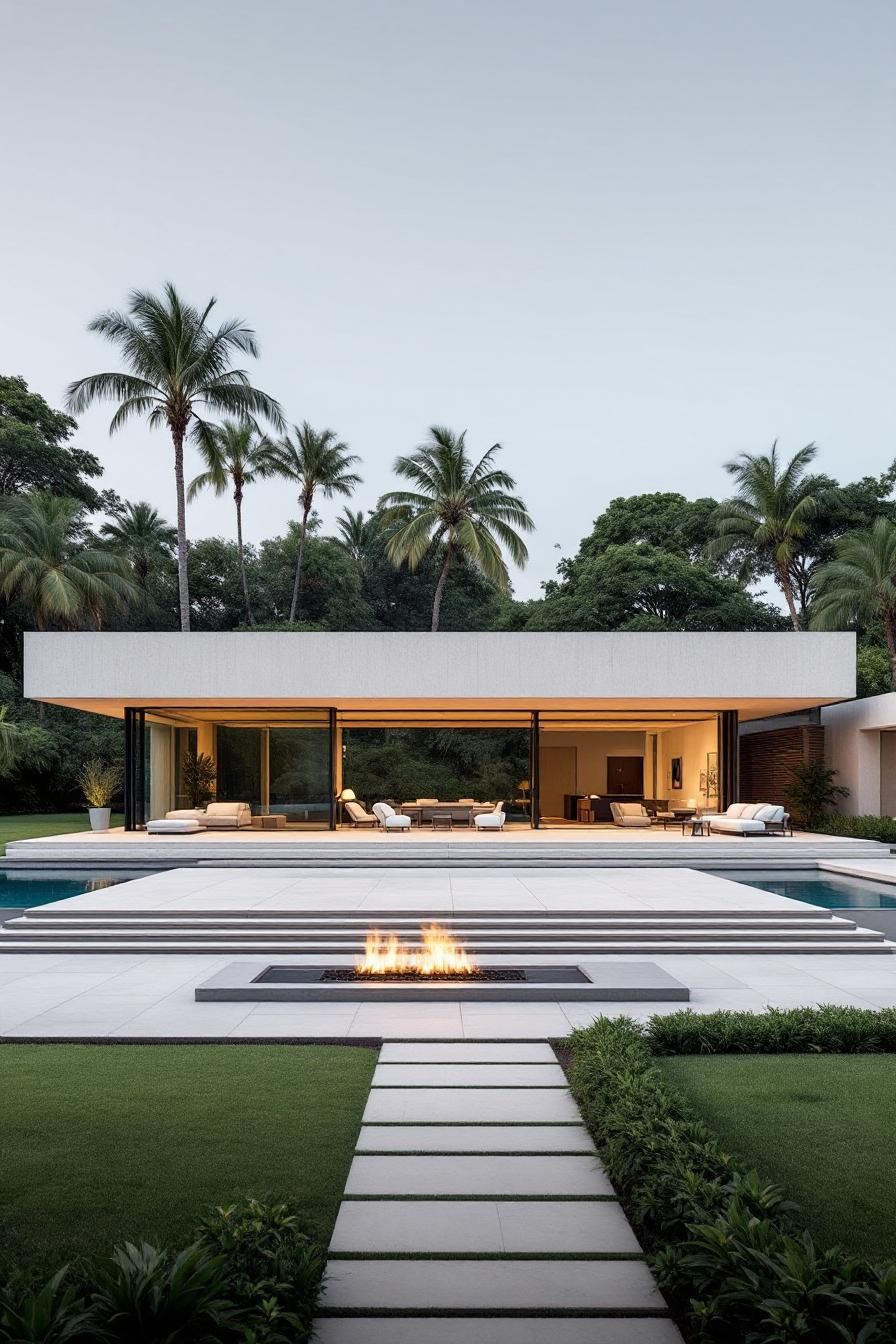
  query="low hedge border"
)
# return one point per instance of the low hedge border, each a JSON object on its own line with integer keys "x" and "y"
{"x": 866, "y": 827}
{"x": 830, "y": 1029}
{"x": 727, "y": 1250}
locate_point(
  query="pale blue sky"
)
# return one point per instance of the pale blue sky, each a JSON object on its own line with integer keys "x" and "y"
{"x": 627, "y": 239}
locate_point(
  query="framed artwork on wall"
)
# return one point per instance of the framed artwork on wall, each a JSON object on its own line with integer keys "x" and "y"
{"x": 677, "y": 773}
{"x": 712, "y": 774}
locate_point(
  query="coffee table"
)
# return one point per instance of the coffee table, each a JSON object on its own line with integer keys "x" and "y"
{"x": 442, "y": 821}
{"x": 270, "y": 821}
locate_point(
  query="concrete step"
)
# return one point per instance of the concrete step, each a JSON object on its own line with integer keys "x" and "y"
{"x": 353, "y": 929}
{"x": 656, "y": 944}
{"x": 372, "y": 1329}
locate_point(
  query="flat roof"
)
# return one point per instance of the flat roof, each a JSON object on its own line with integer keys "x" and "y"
{"x": 757, "y": 674}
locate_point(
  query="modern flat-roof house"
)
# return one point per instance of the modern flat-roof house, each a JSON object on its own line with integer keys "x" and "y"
{"x": 290, "y": 720}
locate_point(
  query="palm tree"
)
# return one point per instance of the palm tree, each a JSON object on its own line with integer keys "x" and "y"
{"x": 768, "y": 516}
{"x": 43, "y": 562}
{"x": 859, "y": 584}
{"x": 466, "y": 510}
{"x": 235, "y": 455}
{"x": 140, "y": 532}
{"x": 178, "y": 366}
{"x": 356, "y": 534}
{"x": 314, "y": 460}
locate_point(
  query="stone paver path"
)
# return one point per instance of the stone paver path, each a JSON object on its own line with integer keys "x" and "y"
{"x": 476, "y": 1192}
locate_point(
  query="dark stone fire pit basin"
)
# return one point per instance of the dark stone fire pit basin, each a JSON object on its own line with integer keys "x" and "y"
{"x": 609, "y": 982}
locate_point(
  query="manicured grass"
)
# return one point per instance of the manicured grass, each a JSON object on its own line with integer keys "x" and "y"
{"x": 30, "y": 825}
{"x": 102, "y": 1143}
{"x": 819, "y": 1125}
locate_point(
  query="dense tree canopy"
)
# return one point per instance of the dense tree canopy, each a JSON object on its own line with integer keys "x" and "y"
{"x": 35, "y": 453}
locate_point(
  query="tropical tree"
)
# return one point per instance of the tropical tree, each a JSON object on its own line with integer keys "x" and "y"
{"x": 139, "y": 532}
{"x": 463, "y": 510}
{"x": 43, "y": 562}
{"x": 316, "y": 461}
{"x": 859, "y": 584}
{"x": 768, "y": 517}
{"x": 235, "y": 455}
{"x": 178, "y": 368}
{"x": 356, "y": 534}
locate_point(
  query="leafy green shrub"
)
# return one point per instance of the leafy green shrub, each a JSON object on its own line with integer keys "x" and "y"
{"x": 148, "y": 1295}
{"x": 830, "y": 1029}
{"x": 57, "y": 1313}
{"x": 860, "y": 828}
{"x": 811, "y": 792}
{"x": 725, "y": 1248}
{"x": 273, "y": 1265}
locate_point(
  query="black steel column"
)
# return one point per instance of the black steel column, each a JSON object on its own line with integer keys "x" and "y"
{"x": 534, "y": 761}
{"x": 729, "y": 758}
{"x": 332, "y": 791}
{"x": 134, "y": 768}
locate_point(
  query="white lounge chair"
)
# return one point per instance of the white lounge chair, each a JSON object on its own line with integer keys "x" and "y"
{"x": 389, "y": 819}
{"x": 629, "y": 814}
{"x": 490, "y": 821}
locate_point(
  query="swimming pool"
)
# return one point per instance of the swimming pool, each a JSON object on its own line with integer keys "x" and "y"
{"x": 40, "y": 887}
{"x": 827, "y": 889}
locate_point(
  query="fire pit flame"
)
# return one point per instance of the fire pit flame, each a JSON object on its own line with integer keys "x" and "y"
{"x": 440, "y": 955}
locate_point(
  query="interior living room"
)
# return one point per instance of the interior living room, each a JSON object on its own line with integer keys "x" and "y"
{"x": 666, "y": 761}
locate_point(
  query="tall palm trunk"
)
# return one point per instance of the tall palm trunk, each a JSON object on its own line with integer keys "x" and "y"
{"x": 183, "y": 587}
{"x": 786, "y": 585}
{"x": 238, "y": 500}
{"x": 301, "y": 556}
{"x": 890, "y": 637}
{"x": 440, "y": 588}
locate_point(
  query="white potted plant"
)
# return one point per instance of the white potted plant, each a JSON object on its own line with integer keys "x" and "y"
{"x": 99, "y": 783}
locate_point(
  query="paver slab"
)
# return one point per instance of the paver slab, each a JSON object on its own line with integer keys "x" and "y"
{"x": 509, "y": 1227}
{"x": 474, "y": 1175}
{"x": 611, "y": 1286}
{"x": 462, "y": 1052}
{"x": 474, "y": 1139}
{"x": 476, "y": 1105}
{"x": 469, "y": 1075}
{"x": 494, "y": 1330}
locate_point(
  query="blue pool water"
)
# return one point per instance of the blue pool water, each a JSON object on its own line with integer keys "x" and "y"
{"x": 38, "y": 888}
{"x": 834, "y": 893}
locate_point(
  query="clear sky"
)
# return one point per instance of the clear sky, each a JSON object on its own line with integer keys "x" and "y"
{"x": 626, "y": 239}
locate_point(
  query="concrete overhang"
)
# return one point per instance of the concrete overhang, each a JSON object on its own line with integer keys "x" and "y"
{"x": 757, "y": 674}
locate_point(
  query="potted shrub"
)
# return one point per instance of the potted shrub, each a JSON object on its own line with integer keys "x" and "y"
{"x": 198, "y": 779}
{"x": 99, "y": 783}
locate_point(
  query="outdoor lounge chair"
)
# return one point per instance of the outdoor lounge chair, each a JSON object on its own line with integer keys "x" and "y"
{"x": 629, "y": 814}
{"x": 750, "y": 819}
{"x": 389, "y": 819}
{"x": 356, "y": 814}
{"x": 216, "y": 816}
{"x": 490, "y": 821}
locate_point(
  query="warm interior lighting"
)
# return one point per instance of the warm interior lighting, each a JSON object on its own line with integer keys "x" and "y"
{"x": 440, "y": 955}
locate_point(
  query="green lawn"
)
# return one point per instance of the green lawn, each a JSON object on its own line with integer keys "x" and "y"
{"x": 819, "y": 1125}
{"x": 29, "y": 825}
{"x": 102, "y": 1143}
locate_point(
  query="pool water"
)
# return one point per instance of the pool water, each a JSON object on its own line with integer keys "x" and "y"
{"x": 19, "y": 889}
{"x": 825, "y": 889}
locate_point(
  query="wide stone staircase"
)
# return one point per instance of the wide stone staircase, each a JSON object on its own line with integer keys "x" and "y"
{"x": 571, "y": 934}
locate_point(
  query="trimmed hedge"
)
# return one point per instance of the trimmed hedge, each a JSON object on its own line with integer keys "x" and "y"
{"x": 860, "y": 828}
{"x": 726, "y": 1249}
{"x": 830, "y": 1029}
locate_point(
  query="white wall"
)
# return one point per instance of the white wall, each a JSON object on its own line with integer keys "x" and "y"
{"x": 855, "y": 734}
{"x": 692, "y": 742}
{"x": 531, "y": 669}
{"x": 592, "y": 750}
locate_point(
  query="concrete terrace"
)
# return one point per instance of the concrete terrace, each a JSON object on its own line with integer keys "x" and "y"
{"x": 141, "y": 995}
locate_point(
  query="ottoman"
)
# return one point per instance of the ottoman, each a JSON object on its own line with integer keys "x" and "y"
{"x": 173, "y": 826}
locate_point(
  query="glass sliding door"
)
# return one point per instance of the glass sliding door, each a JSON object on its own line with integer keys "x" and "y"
{"x": 299, "y": 772}
{"x": 240, "y": 753}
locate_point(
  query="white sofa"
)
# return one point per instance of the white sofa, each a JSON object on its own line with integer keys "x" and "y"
{"x": 215, "y": 817}
{"x": 749, "y": 819}
{"x": 629, "y": 814}
{"x": 389, "y": 819}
